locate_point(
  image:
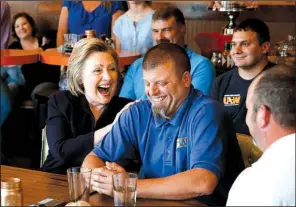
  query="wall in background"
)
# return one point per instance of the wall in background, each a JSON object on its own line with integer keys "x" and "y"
{"x": 280, "y": 19}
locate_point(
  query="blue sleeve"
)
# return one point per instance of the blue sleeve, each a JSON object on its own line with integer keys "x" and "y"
{"x": 203, "y": 75}
{"x": 70, "y": 150}
{"x": 207, "y": 139}
{"x": 127, "y": 89}
{"x": 117, "y": 6}
{"x": 120, "y": 144}
{"x": 66, "y": 4}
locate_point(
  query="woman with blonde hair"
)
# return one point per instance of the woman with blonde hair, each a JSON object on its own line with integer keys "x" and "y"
{"x": 76, "y": 117}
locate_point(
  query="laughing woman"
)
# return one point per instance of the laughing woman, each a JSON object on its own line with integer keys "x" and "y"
{"x": 77, "y": 117}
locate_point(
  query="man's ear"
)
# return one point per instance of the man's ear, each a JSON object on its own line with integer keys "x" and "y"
{"x": 182, "y": 28}
{"x": 265, "y": 47}
{"x": 187, "y": 78}
{"x": 263, "y": 116}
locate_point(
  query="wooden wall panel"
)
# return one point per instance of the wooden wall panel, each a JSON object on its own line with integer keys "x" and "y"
{"x": 46, "y": 15}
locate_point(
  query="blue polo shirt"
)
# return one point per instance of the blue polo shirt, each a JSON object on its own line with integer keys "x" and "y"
{"x": 193, "y": 138}
{"x": 202, "y": 77}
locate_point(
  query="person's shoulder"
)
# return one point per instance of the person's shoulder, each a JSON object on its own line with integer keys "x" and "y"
{"x": 120, "y": 101}
{"x": 15, "y": 45}
{"x": 205, "y": 104}
{"x": 67, "y": 3}
{"x": 227, "y": 75}
{"x": 194, "y": 57}
{"x": 141, "y": 107}
{"x": 62, "y": 97}
{"x": 122, "y": 19}
{"x": 137, "y": 64}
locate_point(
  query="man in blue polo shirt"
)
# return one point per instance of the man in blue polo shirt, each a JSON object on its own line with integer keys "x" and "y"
{"x": 168, "y": 25}
{"x": 184, "y": 139}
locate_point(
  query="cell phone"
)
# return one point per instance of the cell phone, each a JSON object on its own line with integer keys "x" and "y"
{"x": 49, "y": 202}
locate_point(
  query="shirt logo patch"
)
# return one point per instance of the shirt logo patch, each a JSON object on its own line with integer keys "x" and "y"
{"x": 181, "y": 142}
{"x": 231, "y": 100}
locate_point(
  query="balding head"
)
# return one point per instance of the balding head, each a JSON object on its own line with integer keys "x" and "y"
{"x": 276, "y": 88}
{"x": 164, "y": 52}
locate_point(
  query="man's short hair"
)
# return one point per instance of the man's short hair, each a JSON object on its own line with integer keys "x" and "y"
{"x": 164, "y": 52}
{"x": 276, "y": 89}
{"x": 257, "y": 26}
{"x": 168, "y": 12}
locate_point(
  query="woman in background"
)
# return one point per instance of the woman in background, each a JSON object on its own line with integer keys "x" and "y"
{"x": 78, "y": 16}
{"x": 133, "y": 29}
{"x": 77, "y": 117}
{"x": 24, "y": 30}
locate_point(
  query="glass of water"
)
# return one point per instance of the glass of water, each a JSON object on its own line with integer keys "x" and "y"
{"x": 125, "y": 189}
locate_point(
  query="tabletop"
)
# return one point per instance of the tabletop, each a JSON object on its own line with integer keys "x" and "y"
{"x": 53, "y": 57}
{"x": 39, "y": 185}
{"x": 19, "y": 57}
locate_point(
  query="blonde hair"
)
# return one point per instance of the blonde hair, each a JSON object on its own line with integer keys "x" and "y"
{"x": 82, "y": 49}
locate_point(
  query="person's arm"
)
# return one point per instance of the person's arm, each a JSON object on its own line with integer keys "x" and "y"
{"x": 63, "y": 26}
{"x": 185, "y": 185}
{"x": 92, "y": 161}
{"x": 203, "y": 75}
{"x": 63, "y": 147}
{"x": 100, "y": 133}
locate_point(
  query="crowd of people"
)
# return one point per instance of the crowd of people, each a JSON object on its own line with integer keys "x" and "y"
{"x": 172, "y": 116}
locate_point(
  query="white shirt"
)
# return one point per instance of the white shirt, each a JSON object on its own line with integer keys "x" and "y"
{"x": 270, "y": 181}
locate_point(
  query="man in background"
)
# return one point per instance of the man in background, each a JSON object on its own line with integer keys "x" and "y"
{"x": 168, "y": 25}
{"x": 271, "y": 118}
{"x": 250, "y": 44}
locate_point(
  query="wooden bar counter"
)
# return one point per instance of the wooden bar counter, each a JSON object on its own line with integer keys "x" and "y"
{"x": 38, "y": 186}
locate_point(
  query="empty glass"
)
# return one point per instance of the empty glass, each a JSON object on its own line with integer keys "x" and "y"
{"x": 125, "y": 189}
{"x": 79, "y": 183}
{"x": 71, "y": 39}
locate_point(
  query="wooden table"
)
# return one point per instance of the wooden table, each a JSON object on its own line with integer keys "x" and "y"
{"x": 38, "y": 186}
{"x": 53, "y": 57}
{"x": 19, "y": 57}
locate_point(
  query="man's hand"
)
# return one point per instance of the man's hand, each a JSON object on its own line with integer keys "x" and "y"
{"x": 102, "y": 178}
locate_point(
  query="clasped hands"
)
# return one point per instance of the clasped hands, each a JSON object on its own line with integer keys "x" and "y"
{"x": 101, "y": 180}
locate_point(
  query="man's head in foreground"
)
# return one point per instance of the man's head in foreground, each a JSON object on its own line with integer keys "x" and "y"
{"x": 271, "y": 105}
{"x": 166, "y": 74}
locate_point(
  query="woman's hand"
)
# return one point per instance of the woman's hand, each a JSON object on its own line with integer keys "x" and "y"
{"x": 100, "y": 133}
{"x": 102, "y": 178}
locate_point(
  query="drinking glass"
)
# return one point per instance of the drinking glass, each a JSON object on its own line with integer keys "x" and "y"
{"x": 79, "y": 183}
{"x": 125, "y": 189}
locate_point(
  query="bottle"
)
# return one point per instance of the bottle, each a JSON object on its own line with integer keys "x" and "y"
{"x": 219, "y": 62}
{"x": 226, "y": 58}
{"x": 11, "y": 192}
{"x": 90, "y": 34}
{"x": 214, "y": 59}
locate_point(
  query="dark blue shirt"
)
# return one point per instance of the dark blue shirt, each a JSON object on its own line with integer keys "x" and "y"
{"x": 99, "y": 19}
{"x": 197, "y": 136}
